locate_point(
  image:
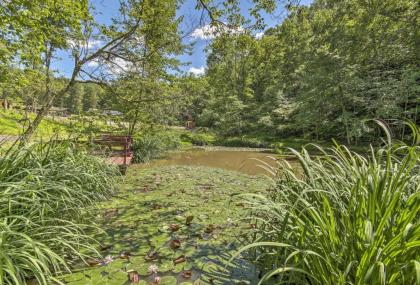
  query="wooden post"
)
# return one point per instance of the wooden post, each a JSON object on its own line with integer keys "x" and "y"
{"x": 125, "y": 151}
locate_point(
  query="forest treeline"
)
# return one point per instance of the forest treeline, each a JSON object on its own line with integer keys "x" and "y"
{"x": 320, "y": 74}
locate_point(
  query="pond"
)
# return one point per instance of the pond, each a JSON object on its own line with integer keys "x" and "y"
{"x": 182, "y": 214}
{"x": 197, "y": 207}
{"x": 251, "y": 161}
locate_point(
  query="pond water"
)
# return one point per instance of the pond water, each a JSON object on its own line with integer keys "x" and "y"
{"x": 247, "y": 161}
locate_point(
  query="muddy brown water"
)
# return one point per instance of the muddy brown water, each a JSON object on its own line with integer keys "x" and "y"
{"x": 247, "y": 161}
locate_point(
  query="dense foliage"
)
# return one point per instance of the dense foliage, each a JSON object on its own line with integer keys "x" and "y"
{"x": 319, "y": 74}
{"x": 341, "y": 219}
{"x": 44, "y": 192}
{"x": 153, "y": 144}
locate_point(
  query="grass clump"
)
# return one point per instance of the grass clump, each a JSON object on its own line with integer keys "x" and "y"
{"x": 342, "y": 218}
{"x": 199, "y": 138}
{"x": 45, "y": 190}
{"x": 152, "y": 145}
{"x": 243, "y": 141}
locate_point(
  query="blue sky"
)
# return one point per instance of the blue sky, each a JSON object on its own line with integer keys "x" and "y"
{"x": 194, "y": 62}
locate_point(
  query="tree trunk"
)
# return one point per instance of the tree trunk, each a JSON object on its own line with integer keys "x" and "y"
{"x": 5, "y": 103}
{"x": 49, "y": 98}
{"x": 46, "y": 107}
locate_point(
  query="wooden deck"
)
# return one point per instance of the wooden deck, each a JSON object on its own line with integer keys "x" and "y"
{"x": 122, "y": 157}
{"x": 119, "y": 160}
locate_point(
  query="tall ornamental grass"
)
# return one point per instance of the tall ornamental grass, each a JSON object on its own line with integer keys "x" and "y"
{"x": 341, "y": 218}
{"x": 45, "y": 190}
{"x": 148, "y": 146}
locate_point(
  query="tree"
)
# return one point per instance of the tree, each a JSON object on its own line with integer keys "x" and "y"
{"x": 320, "y": 74}
{"x": 60, "y": 25}
{"x": 143, "y": 87}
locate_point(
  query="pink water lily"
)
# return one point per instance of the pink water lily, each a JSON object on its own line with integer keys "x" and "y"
{"x": 108, "y": 259}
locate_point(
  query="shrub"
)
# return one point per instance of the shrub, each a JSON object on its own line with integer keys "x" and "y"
{"x": 44, "y": 192}
{"x": 340, "y": 219}
{"x": 146, "y": 148}
{"x": 242, "y": 142}
{"x": 150, "y": 146}
{"x": 198, "y": 138}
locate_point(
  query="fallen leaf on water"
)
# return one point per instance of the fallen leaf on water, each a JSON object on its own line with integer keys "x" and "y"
{"x": 175, "y": 244}
{"x": 125, "y": 255}
{"x": 93, "y": 262}
{"x": 187, "y": 274}
{"x": 189, "y": 220}
{"x": 151, "y": 255}
{"x": 133, "y": 276}
{"x": 210, "y": 228}
{"x": 179, "y": 259}
{"x": 174, "y": 227}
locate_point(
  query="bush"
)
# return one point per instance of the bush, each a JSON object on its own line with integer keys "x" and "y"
{"x": 340, "y": 219}
{"x": 146, "y": 148}
{"x": 44, "y": 192}
{"x": 198, "y": 138}
{"x": 243, "y": 142}
{"x": 150, "y": 146}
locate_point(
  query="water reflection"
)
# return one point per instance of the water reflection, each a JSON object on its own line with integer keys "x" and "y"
{"x": 249, "y": 162}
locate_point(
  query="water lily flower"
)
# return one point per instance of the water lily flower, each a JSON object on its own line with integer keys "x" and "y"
{"x": 108, "y": 259}
{"x": 153, "y": 269}
{"x": 157, "y": 280}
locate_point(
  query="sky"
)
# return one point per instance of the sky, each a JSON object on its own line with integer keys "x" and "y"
{"x": 194, "y": 62}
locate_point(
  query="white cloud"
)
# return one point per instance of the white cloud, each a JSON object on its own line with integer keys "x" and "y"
{"x": 91, "y": 44}
{"x": 259, "y": 35}
{"x": 197, "y": 71}
{"x": 93, "y": 63}
{"x": 119, "y": 65}
{"x": 209, "y": 32}
{"x": 206, "y": 32}
{"x": 95, "y": 43}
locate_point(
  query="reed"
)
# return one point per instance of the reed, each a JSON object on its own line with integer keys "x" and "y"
{"x": 45, "y": 191}
{"x": 342, "y": 218}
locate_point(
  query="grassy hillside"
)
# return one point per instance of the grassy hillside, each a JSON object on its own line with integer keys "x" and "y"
{"x": 12, "y": 123}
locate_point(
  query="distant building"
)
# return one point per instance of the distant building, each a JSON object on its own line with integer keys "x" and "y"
{"x": 112, "y": 113}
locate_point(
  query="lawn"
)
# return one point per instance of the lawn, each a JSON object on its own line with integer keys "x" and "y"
{"x": 182, "y": 219}
{"x": 12, "y": 124}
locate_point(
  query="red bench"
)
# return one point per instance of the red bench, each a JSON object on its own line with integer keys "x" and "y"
{"x": 125, "y": 142}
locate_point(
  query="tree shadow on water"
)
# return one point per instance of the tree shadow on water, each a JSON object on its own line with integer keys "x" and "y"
{"x": 218, "y": 269}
